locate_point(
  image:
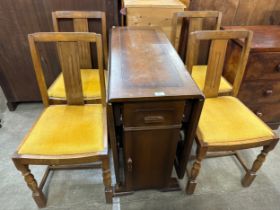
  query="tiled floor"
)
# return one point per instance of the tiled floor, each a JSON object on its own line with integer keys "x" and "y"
{"x": 218, "y": 188}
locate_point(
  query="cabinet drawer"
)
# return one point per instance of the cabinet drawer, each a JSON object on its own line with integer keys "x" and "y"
{"x": 153, "y": 113}
{"x": 269, "y": 113}
{"x": 263, "y": 66}
{"x": 260, "y": 92}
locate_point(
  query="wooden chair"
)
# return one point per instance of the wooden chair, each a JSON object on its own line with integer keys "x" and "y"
{"x": 226, "y": 124}
{"x": 90, "y": 84}
{"x": 193, "y": 21}
{"x": 71, "y": 134}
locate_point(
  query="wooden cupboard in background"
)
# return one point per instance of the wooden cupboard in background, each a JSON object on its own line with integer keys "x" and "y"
{"x": 19, "y": 18}
{"x": 260, "y": 89}
{"x": 152, "y": 13}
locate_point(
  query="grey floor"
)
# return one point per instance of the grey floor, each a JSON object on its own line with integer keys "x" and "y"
{"x": 218, "y": 183}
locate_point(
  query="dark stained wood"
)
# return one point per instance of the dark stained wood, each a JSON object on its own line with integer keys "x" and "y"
{"x": 260, "y": 88}
{"x": 149, "y": 98}
{"x": 19, "y": 18}
{"x": 265, "y": 39}
{"x": 191, "y": 118}
{"x": 259, "y": 92}
{"x": 134, "y": 77}
{"x": 149, "y": 156}
{"x": 152, "y": 114}
{"x": 268, "y": 112}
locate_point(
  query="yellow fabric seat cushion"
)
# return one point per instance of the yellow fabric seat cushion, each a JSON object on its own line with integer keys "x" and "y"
{"x": 64, "y": 129}
{"x": 225, "y": 119}
{"x": 199, "y": 75}
{"x": 90, "y": 84}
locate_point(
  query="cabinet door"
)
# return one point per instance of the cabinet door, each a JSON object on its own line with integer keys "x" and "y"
{"x": 149, "y": 157}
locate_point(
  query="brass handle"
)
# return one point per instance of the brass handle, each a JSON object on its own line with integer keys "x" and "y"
{"x": 153, "y": 119}
{"x": 268, "y": 92}
{"x": 129, "y": 164}
{"x": 277, "y": 68}
{"x": 123, "y": 11}
{"x": 259, "y": 114}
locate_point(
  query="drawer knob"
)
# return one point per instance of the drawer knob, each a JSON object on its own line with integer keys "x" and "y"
{"x": 259, "y": 114}
{"x": 268, "y": 92}
{"x": 277, "y": 68}
{"x": 129, "y": 164}
{"x": 153, "y": 119}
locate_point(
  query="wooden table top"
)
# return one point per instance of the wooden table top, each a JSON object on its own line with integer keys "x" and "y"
{"x": 144, "y": 66}
{"x": 265, "y": 38}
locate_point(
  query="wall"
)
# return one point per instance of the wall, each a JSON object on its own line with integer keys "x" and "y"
{"x": 242, "y": 12}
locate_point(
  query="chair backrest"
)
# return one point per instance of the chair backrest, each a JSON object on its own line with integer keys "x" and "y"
{"x": 219, "y": 41}
{"x": 81, "y": 24}
{"x": 191, "y": 21}
{"x": 67, "y": 46}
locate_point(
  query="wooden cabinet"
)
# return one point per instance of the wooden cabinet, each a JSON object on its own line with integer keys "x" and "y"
{"x": 150, "y": 133}
{"x": 260, "y": 89}
{"x": 19, "y": 18}
{"x": 147, "y": 101}
{"x": 152, "y": 13}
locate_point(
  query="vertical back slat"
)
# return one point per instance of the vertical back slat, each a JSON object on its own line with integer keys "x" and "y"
{"x": 70, "y": 66}
{"x": 104, "y": 38}
{"x": 101, "y": 69}
{"x": 195, "y": 24}
{"x": 215, "y": 67}
{"x": 81, "y": 25}
{"x": 174, "y": 29}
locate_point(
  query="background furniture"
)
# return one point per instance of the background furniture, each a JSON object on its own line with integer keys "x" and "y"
{"x": 19, "y": 18}
{"x": 152, "y": 13}
{"x": 226, "y": 124}
{"x": 66, "y": 134}
{"x": 260, "y": 89}
{"x": 145, "y": 113}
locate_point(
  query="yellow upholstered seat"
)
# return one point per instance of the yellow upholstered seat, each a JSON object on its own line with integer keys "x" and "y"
{"x": 199, "y": 75}
{"x": 225, "y": 119}
{"x": 64, "y": 129}
{"x": 90, "y": 83}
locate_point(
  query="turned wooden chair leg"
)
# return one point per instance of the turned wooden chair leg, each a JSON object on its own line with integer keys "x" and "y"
{"x": 37, "y": 193}
{"x": 107, "y": 180}
{"x": 252, "y": 173}
{"x": 201, "y": 153}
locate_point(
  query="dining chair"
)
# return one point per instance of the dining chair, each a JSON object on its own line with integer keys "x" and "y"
{"x": 226, "y": 124}
{"x": 69, "y": 135}
{"x": 195, "y": 21}
{"x": 191, "y": 21}
{"x": 81, "y": 23}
